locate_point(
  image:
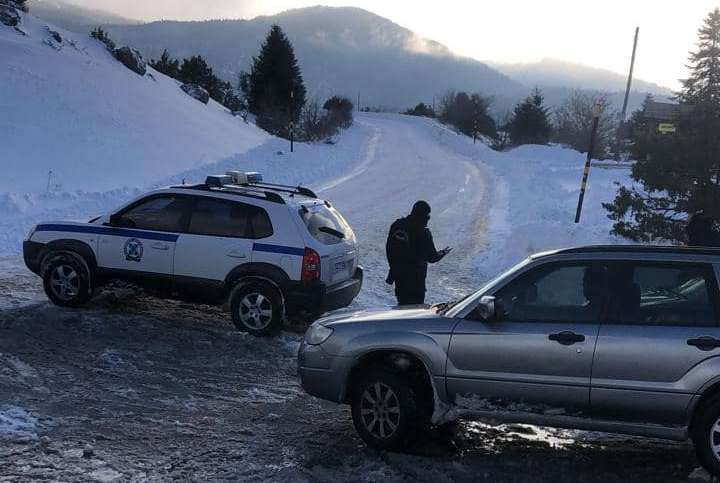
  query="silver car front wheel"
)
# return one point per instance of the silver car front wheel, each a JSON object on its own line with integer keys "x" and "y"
{"x": 380, "y": 410}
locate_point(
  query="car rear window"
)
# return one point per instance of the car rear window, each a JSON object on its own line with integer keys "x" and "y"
{"x": 325, "y": 224}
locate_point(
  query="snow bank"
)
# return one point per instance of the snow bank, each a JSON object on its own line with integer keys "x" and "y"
{"x": 70, "y": 107}
{"x": 533, "y": 193}
{"x": 310, "y": 164}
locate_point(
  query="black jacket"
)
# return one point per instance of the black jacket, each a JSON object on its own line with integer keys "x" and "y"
{"x": 409, "y": 249}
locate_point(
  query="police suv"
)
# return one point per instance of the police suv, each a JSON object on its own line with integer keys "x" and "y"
{"x": 269, "y": 250}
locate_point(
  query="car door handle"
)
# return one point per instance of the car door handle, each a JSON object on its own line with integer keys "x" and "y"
{"x": 160, "y": 246}
{"x": 566, "y": 337}
{"x": 236, "y": 254}
{"x": 704, "y": 343}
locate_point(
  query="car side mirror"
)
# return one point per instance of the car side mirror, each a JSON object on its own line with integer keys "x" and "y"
{"x": 486, "y": 307}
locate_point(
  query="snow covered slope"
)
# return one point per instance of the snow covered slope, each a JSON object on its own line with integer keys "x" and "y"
{"x": 70, "y": 107}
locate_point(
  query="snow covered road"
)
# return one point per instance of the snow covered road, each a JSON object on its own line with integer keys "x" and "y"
{"x": 402, "y": 163}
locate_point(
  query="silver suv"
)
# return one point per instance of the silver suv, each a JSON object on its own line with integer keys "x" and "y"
{"x": 621, "y": 339}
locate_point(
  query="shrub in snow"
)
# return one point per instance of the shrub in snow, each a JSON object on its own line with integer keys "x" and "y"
{"x": 131, "y": 59}
{"x": 9, "y": 15}
{"x": 197, "y": 92}
{"x": 340, "y": 111}
{"x": 102, "y": 36}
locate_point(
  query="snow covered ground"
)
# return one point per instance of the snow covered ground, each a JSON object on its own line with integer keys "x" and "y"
{"x": 69, "y": 107}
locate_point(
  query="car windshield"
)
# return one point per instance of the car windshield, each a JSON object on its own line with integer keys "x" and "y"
{"x": 326, "y": 224}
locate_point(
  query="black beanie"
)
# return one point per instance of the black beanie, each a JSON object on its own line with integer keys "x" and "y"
{"x": 420, "y": 208}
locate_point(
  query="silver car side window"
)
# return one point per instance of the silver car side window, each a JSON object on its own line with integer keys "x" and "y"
{"x": 556, "y": 292}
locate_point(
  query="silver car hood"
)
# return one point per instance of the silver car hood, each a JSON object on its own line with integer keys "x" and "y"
{"x": 386, "y": 315}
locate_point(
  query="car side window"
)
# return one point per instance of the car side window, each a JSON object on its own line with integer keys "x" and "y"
{"x": 568, "y": 292}
{"x": 679, "y": 294}
{"x": 214, "y": 217}
{"x": 225, "y": 218}
{"x": 260, "y": 224}
{"x": 159, "y": 213}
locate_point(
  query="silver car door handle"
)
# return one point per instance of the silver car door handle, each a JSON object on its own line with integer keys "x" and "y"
{"x": 160, "y": 246}
{"x": 236, "y": 254}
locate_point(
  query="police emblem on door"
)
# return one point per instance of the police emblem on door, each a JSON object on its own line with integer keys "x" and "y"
{"x": 133, "y": 250}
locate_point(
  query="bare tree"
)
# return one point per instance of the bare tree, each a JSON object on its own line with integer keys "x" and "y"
{"x": 574, "y": 121}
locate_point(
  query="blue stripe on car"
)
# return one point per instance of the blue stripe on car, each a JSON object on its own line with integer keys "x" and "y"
{"x": 107, "y": 230}
{"x": 262, "y": 247}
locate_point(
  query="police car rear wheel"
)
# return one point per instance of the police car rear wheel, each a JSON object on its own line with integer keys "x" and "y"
{"x": 66, "y": 280}
{"x": 257, "y": 308}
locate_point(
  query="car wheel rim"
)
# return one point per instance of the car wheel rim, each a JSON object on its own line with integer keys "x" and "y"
{"x": 380, "y": 410}
{"x": 715, "y": 439}
{"x": 65, "y": 282}
{"x": 256, "y": 311}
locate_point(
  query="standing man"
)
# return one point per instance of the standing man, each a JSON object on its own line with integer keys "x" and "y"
{"x": 409, "y": 249}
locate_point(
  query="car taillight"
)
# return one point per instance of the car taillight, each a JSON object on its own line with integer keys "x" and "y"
{"x": 310, "y": 265}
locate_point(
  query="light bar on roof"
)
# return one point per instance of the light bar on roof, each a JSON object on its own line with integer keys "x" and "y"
{"x": 218, "y": 181}
{"x": 241, "y": 177}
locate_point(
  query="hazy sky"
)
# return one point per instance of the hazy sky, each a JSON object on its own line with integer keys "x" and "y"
{"x": 597, "y": 33}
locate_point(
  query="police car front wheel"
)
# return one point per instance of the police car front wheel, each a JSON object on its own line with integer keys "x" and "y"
{"x": 66, "y": 280}
{"x": 257, "y": 308}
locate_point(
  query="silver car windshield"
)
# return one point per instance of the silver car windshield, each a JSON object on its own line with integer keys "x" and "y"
{"x": 471, "y": 300}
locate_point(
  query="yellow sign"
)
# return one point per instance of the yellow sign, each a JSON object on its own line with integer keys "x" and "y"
{"x": 666, "y": 128}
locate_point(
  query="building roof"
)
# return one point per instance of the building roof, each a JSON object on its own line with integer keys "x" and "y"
{"x": 665, "y": 111}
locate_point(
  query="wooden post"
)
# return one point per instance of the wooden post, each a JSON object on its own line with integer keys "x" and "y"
{"x": 597, "y": 111}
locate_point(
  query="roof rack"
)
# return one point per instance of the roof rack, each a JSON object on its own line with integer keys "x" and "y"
{"x": 255, "y": 179}
{"x": 299, "y": 190}
{"x": 246, "y": 191}
{"x": 644, "y": 249}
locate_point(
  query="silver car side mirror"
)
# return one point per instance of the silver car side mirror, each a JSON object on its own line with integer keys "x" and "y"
{"x": 486, "y": 307}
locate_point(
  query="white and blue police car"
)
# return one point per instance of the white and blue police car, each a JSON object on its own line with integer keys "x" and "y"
{"x": 269, "y": 250}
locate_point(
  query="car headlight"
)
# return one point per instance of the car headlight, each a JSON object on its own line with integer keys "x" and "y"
{"x": 317, "y": 334}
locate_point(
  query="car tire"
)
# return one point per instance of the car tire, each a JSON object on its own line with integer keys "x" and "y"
{"x": 705, "y": 434}
{"x": 386, "y": 410}
{"x": 257, "y": 307}
{"x": 67, "y": 280}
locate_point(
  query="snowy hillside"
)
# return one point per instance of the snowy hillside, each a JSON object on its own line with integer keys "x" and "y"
{"x": 70, "y": 107}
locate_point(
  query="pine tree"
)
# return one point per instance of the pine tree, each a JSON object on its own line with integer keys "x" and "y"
{"x": 468, "y": 113}
{"x": 680, "y": 172}
{"x": 195, "y": 70}
{"x": 275, "y": 88}
{"x": 167, "y": 65}
{"x": 530, "y": 123}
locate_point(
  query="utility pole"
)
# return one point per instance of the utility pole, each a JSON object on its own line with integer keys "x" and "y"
{"x": 623, "y": 115}
{"x": 597, "y": 111}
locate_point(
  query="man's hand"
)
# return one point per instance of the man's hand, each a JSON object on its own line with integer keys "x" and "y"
{"x": 445, "y": 251}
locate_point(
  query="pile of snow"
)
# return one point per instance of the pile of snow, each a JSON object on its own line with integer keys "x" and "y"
{"x": 74, "y": 117}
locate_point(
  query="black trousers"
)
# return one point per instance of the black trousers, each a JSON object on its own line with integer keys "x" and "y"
{"x": 410, "y": 287}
